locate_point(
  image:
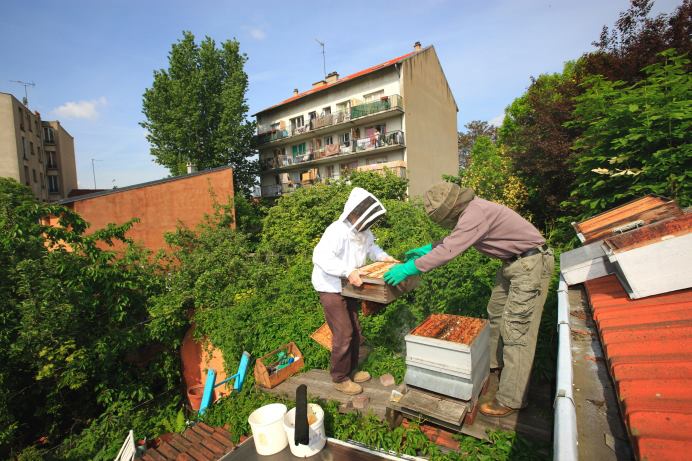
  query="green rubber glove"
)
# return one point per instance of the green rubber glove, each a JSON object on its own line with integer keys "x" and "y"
{"x": 401, "y": 272}
{"x": 418, "y": 252}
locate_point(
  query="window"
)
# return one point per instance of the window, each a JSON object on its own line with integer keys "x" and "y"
{"x": 33, "y": 171}
{"x": 346, "y": 167}
{"x": 28, "y": 122}
{"x": 24, "y": 148}
{"x": 327, "y": 110}
{"x": 332, "y": 171}
{"x": 275, "y": 126}
{"x": 298, "y": 149}
{"x": 328, "y": 140}
{"x": 43, "y": 182}
{"x": 374, "y": 96}
{"x": 36, "y": 125}
{"x": 312, "y": 115}
{"x": 26, "y": 175}
{"x": 343, "y": 106}
{"x": 297, "y": 122}
{"x": 376, "y": 161}
{"x": 52, "y": 161}
{"x": 53, "y": 184}
{"x": 345, "y": 139}
{"x": 48, "y": 135}
{"x": 31, "y": 148}
{"x": 40, "y": 155}
{"x": 21, "y": 118}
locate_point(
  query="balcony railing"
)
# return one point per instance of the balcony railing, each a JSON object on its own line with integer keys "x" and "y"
{"x": 376, "y": 141}
{"x": 267, "y": 134}
{"x": 273, "y": 190}
{"x": 393, "y": 101}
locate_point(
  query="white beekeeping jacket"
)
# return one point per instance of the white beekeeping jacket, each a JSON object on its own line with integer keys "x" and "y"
{"x": 347, "y": 242}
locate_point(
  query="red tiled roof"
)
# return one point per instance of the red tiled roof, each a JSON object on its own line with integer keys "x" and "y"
{"x": 369, "y": 70}
{"x": 648, "y": 344}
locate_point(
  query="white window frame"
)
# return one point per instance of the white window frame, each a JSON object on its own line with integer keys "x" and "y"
{"x": 374, "y": 96}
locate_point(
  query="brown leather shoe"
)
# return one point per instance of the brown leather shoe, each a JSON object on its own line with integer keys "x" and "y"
{"x": 360, "y": 376}
{"x": 348, "y": 387}
{"x": 495, "y": 408}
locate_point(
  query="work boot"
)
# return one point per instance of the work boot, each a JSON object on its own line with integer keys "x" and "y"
{"x": 348, "y": 387}
{"x": 360, "y": 376}
{"x": 495, "y": 408}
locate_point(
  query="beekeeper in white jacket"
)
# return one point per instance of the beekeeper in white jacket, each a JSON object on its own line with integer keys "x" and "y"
{"x": 343, "y": 248}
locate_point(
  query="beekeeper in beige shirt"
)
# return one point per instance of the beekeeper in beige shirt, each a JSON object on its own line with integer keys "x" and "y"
{"x": 521, "y": 283}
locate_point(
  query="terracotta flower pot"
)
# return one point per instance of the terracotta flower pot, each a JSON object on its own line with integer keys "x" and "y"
{"x": 194, "y": 395}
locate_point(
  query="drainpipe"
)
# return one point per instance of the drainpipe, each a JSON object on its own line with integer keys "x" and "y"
{"x": 565, "y": 426}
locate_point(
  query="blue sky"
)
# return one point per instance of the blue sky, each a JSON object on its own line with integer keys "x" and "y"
{"x": 91, "y": 60}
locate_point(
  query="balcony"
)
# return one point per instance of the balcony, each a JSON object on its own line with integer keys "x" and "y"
{"x": 267, "y": 134}
{"x": 379, "y": 142}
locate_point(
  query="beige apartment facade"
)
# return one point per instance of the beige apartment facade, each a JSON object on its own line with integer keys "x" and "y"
{"x": 35, "y": 153}
{"x": 399, "y": 115}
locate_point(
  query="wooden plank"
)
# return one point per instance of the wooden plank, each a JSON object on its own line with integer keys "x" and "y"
{"x": 441, "y": 408}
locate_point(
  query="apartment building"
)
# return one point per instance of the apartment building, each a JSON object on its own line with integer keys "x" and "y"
{"x": 400, "y": 115}
{"x": 36, "y": 153}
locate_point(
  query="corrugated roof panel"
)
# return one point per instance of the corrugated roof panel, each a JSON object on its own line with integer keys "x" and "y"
{"x": 648, "y": 344}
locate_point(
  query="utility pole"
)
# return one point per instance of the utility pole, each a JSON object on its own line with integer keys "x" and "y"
{"x": 93, "y": 170}
{"x": 26, "y": 94}
{"x": 324, "y": 58}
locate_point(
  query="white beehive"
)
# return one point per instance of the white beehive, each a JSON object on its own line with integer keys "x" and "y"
{"x": 445, "y": 366}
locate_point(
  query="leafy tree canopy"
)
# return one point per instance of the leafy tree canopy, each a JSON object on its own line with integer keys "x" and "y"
{"x": 636, "y": 138}
{"x": 196, "y": 110}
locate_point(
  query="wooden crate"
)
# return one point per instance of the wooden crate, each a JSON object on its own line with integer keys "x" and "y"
{"x": 374, "y": 288}
{"x": 267, "y": 380}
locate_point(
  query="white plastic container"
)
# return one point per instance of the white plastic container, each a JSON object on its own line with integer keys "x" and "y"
{"x": 318, "y": 436}
{"x": 267, "y": 428}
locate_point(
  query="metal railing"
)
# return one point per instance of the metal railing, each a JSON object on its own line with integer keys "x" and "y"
{"x": 273, "y": 190}
{"x": 375, "y": 141}
{"x": 393, "y": 101}
{"x": 267, "y": 133}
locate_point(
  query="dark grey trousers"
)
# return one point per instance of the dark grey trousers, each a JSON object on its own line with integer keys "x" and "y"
{"x": 342, "y": 317}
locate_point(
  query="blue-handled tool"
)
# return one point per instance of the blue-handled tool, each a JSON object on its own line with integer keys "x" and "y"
{"x": 211, "y": 383}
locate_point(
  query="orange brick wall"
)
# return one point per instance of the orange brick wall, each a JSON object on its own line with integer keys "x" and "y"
{"x": 159, "y": 206}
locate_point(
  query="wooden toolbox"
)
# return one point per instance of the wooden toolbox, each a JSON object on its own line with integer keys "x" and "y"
{"x": 374, "y": 287}
{"x": 268, "y": 380}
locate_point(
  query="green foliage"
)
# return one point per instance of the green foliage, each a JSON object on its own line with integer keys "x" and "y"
{"x": 75, "y": 339}
{"x": 391, "y": 186}
{"x": 490, "y": 175}
{"x": 196, "y": 110}
{"x": 636, "y": 138}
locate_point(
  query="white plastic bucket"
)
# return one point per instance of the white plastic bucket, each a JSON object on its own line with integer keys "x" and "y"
{"x": 267, "y": 429}
{"x": 318, "y": 436}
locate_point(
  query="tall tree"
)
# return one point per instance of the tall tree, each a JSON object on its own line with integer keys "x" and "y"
{"x": 196, "y": 110}
{"x": 466, "y": 139}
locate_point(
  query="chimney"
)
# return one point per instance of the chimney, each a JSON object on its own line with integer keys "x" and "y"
{"x": 319, "y": 84}
{"x": 191, "y": 168}
{"x": 416, "y": 46}
{"x": 332, "y": 77}
{"x": 295, "y": 91}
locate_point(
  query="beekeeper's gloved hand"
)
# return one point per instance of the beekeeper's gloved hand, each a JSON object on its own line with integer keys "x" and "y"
{"x": 418, "y": 252}
{"x": 401, "y": 272}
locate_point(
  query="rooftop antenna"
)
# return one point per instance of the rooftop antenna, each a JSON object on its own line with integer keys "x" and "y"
{"x": 93, "y": 169}
{"x": 324, "y": 58}
{"x": 26, "y": 94}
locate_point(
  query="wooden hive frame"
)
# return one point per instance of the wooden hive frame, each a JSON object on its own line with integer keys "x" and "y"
{"x": 374, "y": 288}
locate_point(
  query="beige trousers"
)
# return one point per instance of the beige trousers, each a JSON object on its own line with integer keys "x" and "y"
{"x": 514, "y": 311}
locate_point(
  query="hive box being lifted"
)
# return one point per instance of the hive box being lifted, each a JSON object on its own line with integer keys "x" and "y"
{"x": 374, "y": 288}
{"x": 448, "y": 354}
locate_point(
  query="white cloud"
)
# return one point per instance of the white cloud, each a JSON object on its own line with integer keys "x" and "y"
{"x": 497, "y": 121}
{"x": 257, "y": 33}
{"x": 81, "y": 109}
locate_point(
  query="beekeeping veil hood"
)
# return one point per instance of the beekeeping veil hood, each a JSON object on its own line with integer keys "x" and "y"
{"x": 362, "y": 209}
